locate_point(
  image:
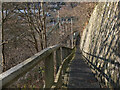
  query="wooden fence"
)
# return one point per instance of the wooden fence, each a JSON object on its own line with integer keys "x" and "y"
{"x": 63, "y": 57}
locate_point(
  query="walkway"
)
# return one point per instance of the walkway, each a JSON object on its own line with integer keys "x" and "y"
{"x": 80, "y": 74}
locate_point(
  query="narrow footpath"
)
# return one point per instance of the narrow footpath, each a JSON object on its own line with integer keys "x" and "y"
{"x": 81, "y": 75}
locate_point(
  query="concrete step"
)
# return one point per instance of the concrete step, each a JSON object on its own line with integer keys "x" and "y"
{"x": 81, "y": 75}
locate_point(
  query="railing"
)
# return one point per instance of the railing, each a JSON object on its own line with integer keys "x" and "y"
{"x": 53, "y": 28}
{"x": 105, "y": 70}
{"x": 63, "y": 57}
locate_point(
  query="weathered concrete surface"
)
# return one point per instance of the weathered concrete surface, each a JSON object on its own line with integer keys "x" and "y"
{"x": 100, "y": 42}
{"x": 80, "y": 74}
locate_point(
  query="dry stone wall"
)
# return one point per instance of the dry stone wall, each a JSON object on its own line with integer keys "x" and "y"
{"x": 100, "y": 43}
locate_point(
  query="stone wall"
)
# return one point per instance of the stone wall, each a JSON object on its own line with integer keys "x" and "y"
{"x": 100, "y": 44}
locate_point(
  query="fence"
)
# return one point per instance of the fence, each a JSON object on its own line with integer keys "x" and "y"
{"x": 63, "y": 57}
{"x": 106, "y": 71}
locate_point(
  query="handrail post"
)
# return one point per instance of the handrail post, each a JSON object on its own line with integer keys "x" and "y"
{"x": 64, "y": 53}
{"x": 72, "y": 33}
{"x": 58, "y": 58}
{"x": 49, "y": 71}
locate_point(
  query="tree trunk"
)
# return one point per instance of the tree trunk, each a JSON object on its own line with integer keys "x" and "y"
{"x": 44, "y": 26}
{"x": 3, "y": 44}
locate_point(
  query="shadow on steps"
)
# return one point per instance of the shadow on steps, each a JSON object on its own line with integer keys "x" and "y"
{"x": 81, "y": 75}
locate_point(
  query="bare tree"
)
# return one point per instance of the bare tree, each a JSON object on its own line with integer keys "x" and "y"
{"x": 36, "y": 19}
{"x": 26, "y": 22}
{"x": 7, "y": 12}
